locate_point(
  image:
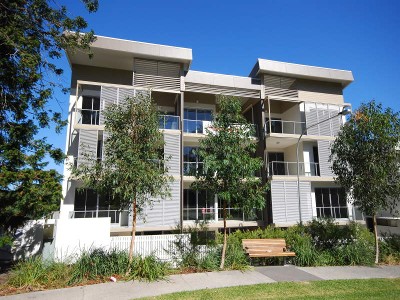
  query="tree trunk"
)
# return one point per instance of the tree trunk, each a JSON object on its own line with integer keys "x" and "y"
{"x": 132, "y": 246}
{"x": 376, "y": 239}
{"x": 225, "y": 238}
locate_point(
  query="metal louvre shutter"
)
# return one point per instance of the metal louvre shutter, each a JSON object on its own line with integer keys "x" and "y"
{"x": 285, "y": 205}
{"x": 87, "y": 146}
{"x": 157, "y": 75}
{"x": 324, "y": 151}
{"x": 168, "y": 69}
{"x": 172, "y": 150}
{"x": 125, "y": 93}
{"x": 311, "y": 118}
{"x": 279, "y": 86}
{"x": 323, "y": 114}
{"x": 108, "y": 96}
{"x": 335, "y": 122}
{"x": 215, "y": 89}
{"x": 164, "y": 212}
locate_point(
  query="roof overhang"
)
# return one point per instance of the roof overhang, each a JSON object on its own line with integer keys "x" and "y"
{"x": 265, "y": 66}
{"x": 118, "y": 53}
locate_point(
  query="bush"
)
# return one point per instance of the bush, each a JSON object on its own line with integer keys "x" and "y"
{"x": 149, "y": 268}
{"x": 390, "y": 248}
{"x": 34, "y": 273}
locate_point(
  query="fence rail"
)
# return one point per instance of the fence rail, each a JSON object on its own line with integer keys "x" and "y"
{"x": 288, "y": 168}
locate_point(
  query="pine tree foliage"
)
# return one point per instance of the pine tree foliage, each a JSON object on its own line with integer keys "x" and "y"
{"x": 33, "y": 34}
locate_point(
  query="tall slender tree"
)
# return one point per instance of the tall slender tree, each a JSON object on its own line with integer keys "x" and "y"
{"x": 133, "y": 170}
{"x": 33, "y": 34}
{"x": 366, "y": 160}
{"x": 229, "y": 163}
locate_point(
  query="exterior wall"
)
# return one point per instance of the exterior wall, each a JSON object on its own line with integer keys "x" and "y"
{"x": 318, "y": 91}
{"x": 73, "y": 236}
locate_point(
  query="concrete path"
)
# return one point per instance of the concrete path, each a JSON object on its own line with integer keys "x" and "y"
{"x": 190, "y": 282}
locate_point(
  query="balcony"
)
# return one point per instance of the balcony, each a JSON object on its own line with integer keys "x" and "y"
{"x": 192, "y": 168}
{"x": 284, "y": 168}
{"x": 199, "y": 127}
{"x": 169, "y": 122}
{"x": 117, "y": 217}
{"x": 87, "y": 116}
{"x": 284, "y": 127}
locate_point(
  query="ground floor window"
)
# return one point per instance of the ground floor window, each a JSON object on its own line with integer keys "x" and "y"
{"x": 331, "y": 203}
{"x": 198, "y": 205}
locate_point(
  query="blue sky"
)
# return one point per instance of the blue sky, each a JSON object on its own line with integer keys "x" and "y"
{"x": 228, "y": 36}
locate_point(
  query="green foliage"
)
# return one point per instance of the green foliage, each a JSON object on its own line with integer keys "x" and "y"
{"x": 133, "y": 169}
{"x": 228, "y": 153}
{"x": 148, "y": 268}
{"x": 365, "y": 159}
{"x": 34, "y": 273}
{"x": 229, "y": 166}
{"x": 390, "y": 245}
{"x": 317, "y": 243}
{"x": 33, "y": 34}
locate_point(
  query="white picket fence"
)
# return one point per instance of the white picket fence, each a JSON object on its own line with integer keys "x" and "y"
{"x": 162, "y": 246}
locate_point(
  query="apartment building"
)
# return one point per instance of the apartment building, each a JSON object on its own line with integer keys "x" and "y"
{"x": 280, "y": 99}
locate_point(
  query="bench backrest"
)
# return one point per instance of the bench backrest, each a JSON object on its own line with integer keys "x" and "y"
{"x": 277, "y": 245}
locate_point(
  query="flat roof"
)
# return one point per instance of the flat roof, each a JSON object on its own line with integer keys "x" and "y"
{"x": 265, "y": 66}
{"x": 118, "y": 53}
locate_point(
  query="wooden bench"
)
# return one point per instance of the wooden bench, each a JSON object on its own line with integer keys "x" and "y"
{"x": 266, "y": 248}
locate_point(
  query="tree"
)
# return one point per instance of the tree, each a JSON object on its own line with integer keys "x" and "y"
{"x": 133, "y": 170}
{"x": 33, "y": 34}
{"x": 229, "y": 166}
{"x": 366, "y": 162}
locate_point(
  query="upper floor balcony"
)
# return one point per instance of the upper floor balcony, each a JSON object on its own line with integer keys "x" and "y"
{"x": 284, "y": 127}
{"x": 286, "y": 168}
{"x": 201, "y": 127}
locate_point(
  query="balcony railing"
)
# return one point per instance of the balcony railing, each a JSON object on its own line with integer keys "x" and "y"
{"x": 192, "y": 168}
{"x": 115, "y": 215}
{"x": 284, "y": 168}
{"x": 287, "y": 127}
{"x": 87, "y": 116}
{"x": 169, "y": 122}
{"x": 199, "y": 126}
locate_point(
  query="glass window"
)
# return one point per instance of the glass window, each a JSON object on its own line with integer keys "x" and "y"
{"x": 331, "y": 203}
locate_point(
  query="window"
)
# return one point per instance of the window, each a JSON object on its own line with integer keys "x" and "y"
{"x": 191, "y": 162}
{"x": 194, "y": 119}
{"x": 198, "y": 205}
{"x": 90, "y": 110}
{"x": 276, "y": 164}
{"x": 331, "y": 203}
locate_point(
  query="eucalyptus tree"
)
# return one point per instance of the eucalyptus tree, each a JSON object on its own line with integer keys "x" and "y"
{"x": 228, "y": 154}
{"x": 132, "y": 172}
{"x": 366, "y": 160}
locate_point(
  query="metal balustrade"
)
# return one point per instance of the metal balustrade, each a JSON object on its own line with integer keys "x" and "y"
{"x": 87, "y": 116}
{"x": 115, "y": 215}
{"x": 284, "y": 168}
{"x": 286, "y": 127}
{"x": 192, "y": 168}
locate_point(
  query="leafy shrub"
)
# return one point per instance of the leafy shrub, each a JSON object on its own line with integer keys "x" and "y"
{"x": 149, "y": 268}
{"x": 390, "y": 248}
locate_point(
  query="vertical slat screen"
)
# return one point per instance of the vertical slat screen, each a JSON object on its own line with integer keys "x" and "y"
{"x": 87, "y": 146}
{"x": 324, "y": 151}
{"x": 125, "y": 93}
{"x": 285, "y": 202}
{"x": 336, "y": 120}
{"x": 108, "y": 96}
{"x": 172, "y": 150}
{"x": 311, "y": 118}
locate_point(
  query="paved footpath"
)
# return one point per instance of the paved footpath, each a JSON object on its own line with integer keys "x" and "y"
{"x": 197, "y": 281}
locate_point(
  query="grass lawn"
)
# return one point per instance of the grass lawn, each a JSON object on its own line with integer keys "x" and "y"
{"x": 334, "y": 289}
